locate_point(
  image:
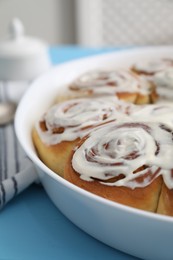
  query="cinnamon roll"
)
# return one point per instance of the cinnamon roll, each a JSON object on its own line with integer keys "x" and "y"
{"x": 159, "y": 73}
{"x": 151, "y": 67}
{"x": 121, "y": 83}
{"x": 164, "y": 82}
{"x": 64, "y": 124}
{"x": 125, "y": 162}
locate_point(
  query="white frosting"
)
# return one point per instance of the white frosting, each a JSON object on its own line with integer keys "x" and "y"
{"x": 164, "y": 82}
{"x": 161, "y": 113}
{"x": 160, "y": 72}
{"x": 115, "y": 149}
{"x": 77, "y": 117}
{"x": 110, "y": 82}
{"x": 153, "y": 66}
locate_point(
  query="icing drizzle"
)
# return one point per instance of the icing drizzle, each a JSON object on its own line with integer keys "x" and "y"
{"x": 162, "y": 113}
{"x": 75, "y": 118}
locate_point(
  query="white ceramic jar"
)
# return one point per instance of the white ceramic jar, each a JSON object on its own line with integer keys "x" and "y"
{"x": 22, "y": 57}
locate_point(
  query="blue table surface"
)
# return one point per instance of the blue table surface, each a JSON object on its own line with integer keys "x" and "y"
{"x": 31, "y": 227}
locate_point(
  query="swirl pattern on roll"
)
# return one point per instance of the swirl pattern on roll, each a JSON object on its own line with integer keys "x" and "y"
{"x": 159, "y": 72}
{"x": 75, "y": 118}
{"x": 130, "y": 154}
{"x": 110, "y": 82}
{"x": 162, "y": 113}
{"x": 164, "y": 82}
{"x": 151, "y": 67}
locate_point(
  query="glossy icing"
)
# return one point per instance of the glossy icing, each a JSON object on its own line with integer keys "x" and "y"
{"x": 75, "y": 118}
{"x": 164, "y": 82}
{"x": 152, "y": 66}
{"x": 110, "y": 82}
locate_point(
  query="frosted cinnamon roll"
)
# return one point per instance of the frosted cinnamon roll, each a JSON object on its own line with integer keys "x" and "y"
{"x": 64, "y": 124}
{"x": 164, "y": 82}
{"x": 121, "y": 83}
{"x": 159, "y": 73}
{"x": 124, "y": 162}
{"x": 152, "y": 67}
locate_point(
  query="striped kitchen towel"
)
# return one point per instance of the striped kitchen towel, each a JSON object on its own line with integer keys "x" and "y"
{"x": 16, "y": 170}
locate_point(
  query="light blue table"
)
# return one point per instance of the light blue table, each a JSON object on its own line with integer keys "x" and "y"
{"x": 31, "y": 227}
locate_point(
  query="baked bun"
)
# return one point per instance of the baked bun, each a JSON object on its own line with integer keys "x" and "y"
{"x": 121, "y": 83}
{"x": 159, "y": 73}
{"x": 165, "y": 205}
{"x": 151, "y": 67}
{"x": 53, "y": 155}
{"x": 125, "y": 162}
{"x": 64, "y": 124}
{"x": 163, "y": 80}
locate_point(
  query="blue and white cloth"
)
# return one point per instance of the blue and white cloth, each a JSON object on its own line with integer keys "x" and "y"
{"x": 16, "y": 170}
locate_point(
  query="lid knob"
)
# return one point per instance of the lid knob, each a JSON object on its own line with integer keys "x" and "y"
{"x": 16, "y": 28}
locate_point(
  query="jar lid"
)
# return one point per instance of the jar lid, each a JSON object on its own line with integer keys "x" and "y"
{"x": 22, "y": 57}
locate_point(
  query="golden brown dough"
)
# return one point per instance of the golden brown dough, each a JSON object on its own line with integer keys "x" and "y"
{"x": 165, "y": 205}
{"x": 140, "y": 198}
{"x": 147, "y": 99}
{"x": 54, "y": 156}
